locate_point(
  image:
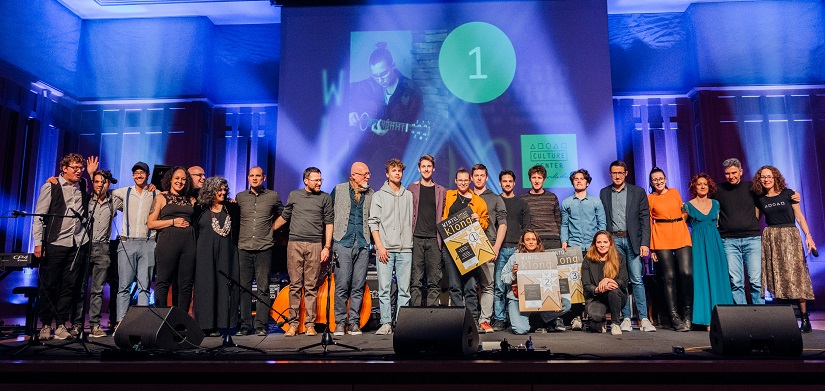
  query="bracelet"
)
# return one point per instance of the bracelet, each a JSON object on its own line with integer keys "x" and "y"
{"x": 326, "y": 247}
{"x": 173, "y": 222}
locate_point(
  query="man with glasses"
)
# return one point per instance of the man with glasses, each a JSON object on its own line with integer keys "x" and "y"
{"x": 61, "y": 244}
{"x": 386, "y": 95}
{"x": 136, "y": 250}
{"x": 627, "y": 217}
{"x": 740, "y": 231}
{"x": 309, "y": 212}
{"x": 351, "y": 243}
{"x": 464, "y": 288}
{"x": 198, "y": 179}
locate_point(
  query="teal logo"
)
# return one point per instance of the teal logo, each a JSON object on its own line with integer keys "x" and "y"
{"x": 477, "y": 62}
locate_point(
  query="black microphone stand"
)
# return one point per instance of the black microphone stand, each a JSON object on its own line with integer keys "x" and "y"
{"x": 227, "y": 336}
{"x": 34, "y": 338}
{"x": 326, "y": 336}
{"x": 257, "y": 297}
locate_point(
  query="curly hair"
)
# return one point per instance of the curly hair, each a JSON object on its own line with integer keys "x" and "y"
{"x": 166, "y": 182}
{"x": 71, "y": 158}
{"x": 778, "y": 181}
{"x": 695, "y": 181}
{"x": 537, "y": 169}
{"x": 584, "y": 173}
{"x": 210, "y": 187}
{"x": 522, "y": 248}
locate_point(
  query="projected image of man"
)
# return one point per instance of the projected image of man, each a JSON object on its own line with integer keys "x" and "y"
{"x": 386, "y": 95}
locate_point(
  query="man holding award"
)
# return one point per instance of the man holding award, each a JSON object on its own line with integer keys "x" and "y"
{"x": 464, "y": 244}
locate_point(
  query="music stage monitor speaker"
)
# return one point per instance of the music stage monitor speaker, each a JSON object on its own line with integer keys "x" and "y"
{"x": 446, "y": 331}
{"x": 740, "y": 330}
{"x": 158, "y": 171}
{"x": 165, "y": 328}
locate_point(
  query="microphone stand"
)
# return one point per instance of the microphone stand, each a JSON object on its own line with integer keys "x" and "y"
{"x": 257, "y": 297}
{"x": 326, "y": 336}
{"x": 227, "y": 336}
{"x": 34, "y": 338}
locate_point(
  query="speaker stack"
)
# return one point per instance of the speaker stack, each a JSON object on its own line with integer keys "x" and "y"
{"x": 741, "y": 330}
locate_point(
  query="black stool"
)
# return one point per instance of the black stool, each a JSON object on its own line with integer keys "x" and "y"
{"x": 30, "y": 292}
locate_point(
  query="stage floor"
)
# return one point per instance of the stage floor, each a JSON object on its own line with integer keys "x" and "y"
{"x": 571, "y": 357}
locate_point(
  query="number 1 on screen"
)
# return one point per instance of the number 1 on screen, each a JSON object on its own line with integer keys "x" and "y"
{"x": 477, "y": 52}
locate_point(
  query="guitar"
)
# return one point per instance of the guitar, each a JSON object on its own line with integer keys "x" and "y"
{"x": 420, "y": 130}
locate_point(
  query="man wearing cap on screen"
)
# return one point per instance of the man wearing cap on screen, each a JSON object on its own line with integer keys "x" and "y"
{"x": 136, "y": 250}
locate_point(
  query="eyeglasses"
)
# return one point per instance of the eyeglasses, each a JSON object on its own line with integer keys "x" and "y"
{"x": 198, "y": 175}
{"x": 618, "y": 173}
{"x": 75, "y": 168}
{"x": 462, "y": 181}
{"x": 366, "y": 174}
{"x": 658, "y": 180}
{"x": 383, "y": 75}
{"x": 316, "y": 180}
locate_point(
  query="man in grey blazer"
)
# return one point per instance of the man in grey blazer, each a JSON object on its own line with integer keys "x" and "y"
{"x": 628, "y": 219}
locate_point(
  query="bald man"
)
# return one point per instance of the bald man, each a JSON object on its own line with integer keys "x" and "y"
{"x": 350, "y": 242}
{"x": 198, "y": 178}
{"x": 259, "y": 209}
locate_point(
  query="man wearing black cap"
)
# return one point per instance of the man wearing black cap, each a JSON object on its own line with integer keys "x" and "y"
{"x": 136, "y": 250}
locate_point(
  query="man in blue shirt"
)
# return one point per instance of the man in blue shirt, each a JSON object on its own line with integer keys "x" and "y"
{"x": 582, "y": 214}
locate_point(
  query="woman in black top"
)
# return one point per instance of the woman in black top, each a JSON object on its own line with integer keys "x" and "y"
{"x": 604, "y": 278}
{"x": 171, "y": 216}
{"x": 217, "y": 222}
{"x": 784, "y": 270}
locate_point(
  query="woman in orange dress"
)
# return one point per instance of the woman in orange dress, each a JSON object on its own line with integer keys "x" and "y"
{"x": 671, "y": 249}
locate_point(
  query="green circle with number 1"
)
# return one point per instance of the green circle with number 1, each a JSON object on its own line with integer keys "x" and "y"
{"x": 477, "y": 62}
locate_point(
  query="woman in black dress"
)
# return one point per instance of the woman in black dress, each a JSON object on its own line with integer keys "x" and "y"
{"x": 171, "y": 216}
{"x": 217, "y": 222}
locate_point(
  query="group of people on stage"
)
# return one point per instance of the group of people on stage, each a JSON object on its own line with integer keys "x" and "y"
{"x": 207, "y": 248}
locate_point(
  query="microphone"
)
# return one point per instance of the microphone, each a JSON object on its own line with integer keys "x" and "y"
{"x": 18, "y": 213}
{"x": 815, "y": 253}
{"x": 76, "y": 213}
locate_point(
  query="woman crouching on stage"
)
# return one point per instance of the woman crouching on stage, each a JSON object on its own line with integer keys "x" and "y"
{"x": 604, "y": 278}
{"x": 171, "y": 216}
{"x": 217, "y": 223}
{"x": 520, "y": 321}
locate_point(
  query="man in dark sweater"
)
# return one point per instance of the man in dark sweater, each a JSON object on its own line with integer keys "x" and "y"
{"x": 310, "y": 215}
{"x": 518, "y": 219}
{"x": 739, "y": 228}
{"x": 545, "y": 214}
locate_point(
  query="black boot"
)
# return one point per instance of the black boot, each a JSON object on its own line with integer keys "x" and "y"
{"x": 677, "y": 323}
{"x": 806, "y": 323}
{"x": 688, "y": 317}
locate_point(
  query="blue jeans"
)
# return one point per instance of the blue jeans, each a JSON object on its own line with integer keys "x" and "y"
{"x": 401, "y": 263}
{"x": 520, "y": 321}
{"x": 135, "y": 259}
{"x": 501, "y": 288}
{"x": 741, "y": 253}
{"x": 635, "y": 272}
{"x": 350, "y": 279}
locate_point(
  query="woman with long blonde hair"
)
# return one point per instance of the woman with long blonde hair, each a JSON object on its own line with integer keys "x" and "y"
{"x": 604, "y": 279}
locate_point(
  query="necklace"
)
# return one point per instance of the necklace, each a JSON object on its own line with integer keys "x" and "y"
{"x": 216, "y": 226}
{"x": 463, "y": 199}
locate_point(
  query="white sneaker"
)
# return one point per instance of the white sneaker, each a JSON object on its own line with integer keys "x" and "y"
{"x": 385, "y": 329}
{"x": 616, "y": 329}
{"x": 340, "y": 329}
{"x": 626, "y": 325}
{"x": 576, "y": 324}
{"x": 647, "y": 326}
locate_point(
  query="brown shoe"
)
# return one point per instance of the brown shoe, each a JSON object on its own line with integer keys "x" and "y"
{"x": 311, "y": 331}
{"x": 290, "y": 332}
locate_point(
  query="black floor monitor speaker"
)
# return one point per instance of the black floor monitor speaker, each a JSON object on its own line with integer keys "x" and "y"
{"x": 165, "y": 328}
{"x": 445, "y": 331}
{"x": 741, "y": 330}
{"x": 158, "y": 171}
